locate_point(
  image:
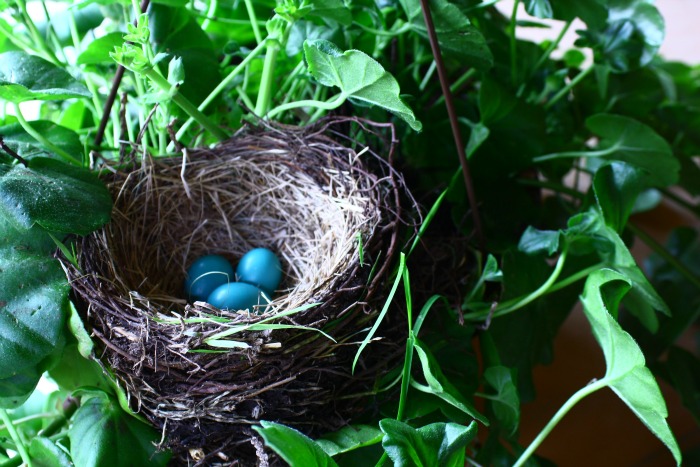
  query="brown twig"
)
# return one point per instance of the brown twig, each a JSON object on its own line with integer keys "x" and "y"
{"x": 454, "y": 123}
{"x": 118, "y": 76}
{"x": 12, "y": 153}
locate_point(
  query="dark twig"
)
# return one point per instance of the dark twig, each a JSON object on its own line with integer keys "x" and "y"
{"x": 118, "y": 76}
{"x": 12, "y": 153}
{"x": 454, "y": 123}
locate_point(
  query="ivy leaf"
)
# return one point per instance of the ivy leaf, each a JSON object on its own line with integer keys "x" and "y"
{"x": 293, "y": 446}
{"x": 617, "y": 187}
{"x": 440, "y": 386}
{"x": 626, "y": 139}
{"x": 535, "y": 241}
{"x": 24, "y": 77}
{"x": 506, "y": 402}
{"x": 630, "y": 37}
{"x": 360, "y": 78}
{"x": 457, "y": 36}
{"x": 54, "y": 195}
{"x": 45, "y": 453}
{"x": 440, "y": 444}
{"x": 626, "y": 373}
{"x": 103, "y": 435}
{"x": 26, "y": 146}
{"x": 539, "y": 8}
{"x": 349, "y": 438}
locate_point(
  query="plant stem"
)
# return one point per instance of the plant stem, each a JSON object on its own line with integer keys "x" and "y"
{"x": 680, "y": 201}
{"x": 508, "y": 308}
{"x": 222, "y": 85}
{"x": 552, "y": 47}
{"x": 336, "y": 102}
{"x": 184, "y": 103}
{"x": 12, "y": 153}
{"x": 211, "y": 11}
{"x": 563, "y": 410}
{"x": 565, "y": 90}
{"x": 42, "y": 140}
{"x": 43, "y": 48}
{"x": 664, "y": 253}
{"x": 513, "y": 44}
{"x": 428, "y": 75}
{"x": 268, "y": 77}
{"x": 14, "y": 434}
{"x": 253, "y": 21}
{"x": 454, "y": 121}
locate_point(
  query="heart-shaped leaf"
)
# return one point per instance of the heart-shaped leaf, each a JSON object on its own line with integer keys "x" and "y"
{"x": 626, "y": 373}
{"x": 506, "y": 402}
{"x": 24, "y": 77}
{"x": 359, "y": 77}
{"x": 103, "y": 435}
{"x": 617, "y": 186}
{"x": 54, "y": 195}
{"x": 293, "y": 446}
{"x": 440, "y": 444}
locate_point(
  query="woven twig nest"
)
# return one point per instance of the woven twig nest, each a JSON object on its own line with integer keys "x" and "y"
{"x": 330, "y": 212}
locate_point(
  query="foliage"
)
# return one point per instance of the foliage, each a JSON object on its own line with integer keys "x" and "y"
{"x": 609, "y": 112}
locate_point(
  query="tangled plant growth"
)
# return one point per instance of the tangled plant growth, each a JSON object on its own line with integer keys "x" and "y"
{"x": 114, "y": 80}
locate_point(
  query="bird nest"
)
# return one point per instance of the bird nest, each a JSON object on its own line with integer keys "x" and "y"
{"x": 328, "y": 206}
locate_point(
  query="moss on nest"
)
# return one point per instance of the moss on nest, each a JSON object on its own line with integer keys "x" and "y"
{"x": 326, "y": 205}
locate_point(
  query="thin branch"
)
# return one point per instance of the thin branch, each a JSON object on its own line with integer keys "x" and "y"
{"x": 118, "y": 76}
{"x": 12, "y": 153}
{"x": 454, "y": 123}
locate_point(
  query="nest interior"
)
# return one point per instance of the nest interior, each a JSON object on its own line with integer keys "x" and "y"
{"x": 332, "y": 215}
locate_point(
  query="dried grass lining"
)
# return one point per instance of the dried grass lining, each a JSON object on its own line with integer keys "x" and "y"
{"x": 295, "y": 191}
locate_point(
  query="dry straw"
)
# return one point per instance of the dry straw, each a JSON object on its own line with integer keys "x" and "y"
{"x": 326, "y": 204}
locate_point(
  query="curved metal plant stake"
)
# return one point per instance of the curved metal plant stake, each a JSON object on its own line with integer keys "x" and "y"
{"x": 626, "y": 373}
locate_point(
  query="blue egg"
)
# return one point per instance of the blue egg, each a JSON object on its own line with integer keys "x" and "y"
{"x": 238, "y": 296}
{"x": 262, "y": 268}
{"x": 206, "y": 274}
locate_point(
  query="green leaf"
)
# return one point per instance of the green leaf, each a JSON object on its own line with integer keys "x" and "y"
{"x": 102, "y": 435}
{"x": 439, "y": 385}
{"x": 97, "y": 51}
{"x": 495, "y": 101}
{"x": 15, "y": 390}
{"x": 294, "y": 447}
{"x": 359, "y": 77}
{"x": 33, "y": 309}
{"x": 626, "y": 373}
{"x": 457, "y": 36}
{"x": 590, "y": 228}
{"x": 54, "y": 195}
{"x": 539, "y": 8}
{"x": 349, "y": 438}
{"x": 45, "y": 453}
{"x": 26, "y": 146}
{"x": 73, "y": 371}
{"x": 617, "y": 187}
{"x": 334, "y": 10}
{"x": 442, "y": 444}
{"x": 630, "y": 38}
{"x": 626, "y": 139}
{"x": 637, "y": 144}
{"x": 506, "y": 402}
{"x": 535, "y": 241}
{"x": 24, "y": 77}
